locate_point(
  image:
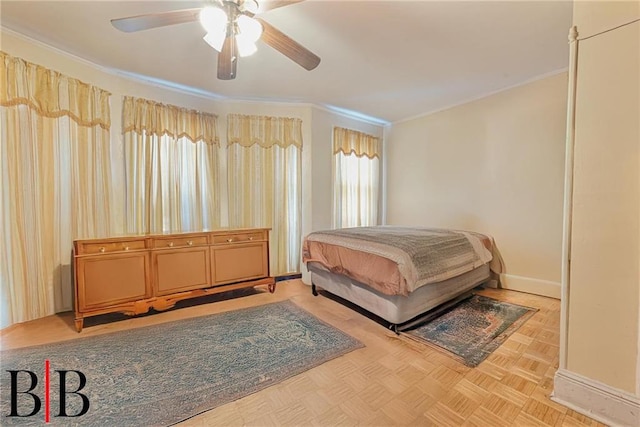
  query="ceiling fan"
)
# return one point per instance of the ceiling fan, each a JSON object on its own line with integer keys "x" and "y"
{"x": 232, "y": 29}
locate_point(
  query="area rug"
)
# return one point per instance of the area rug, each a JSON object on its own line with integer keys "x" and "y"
{"x": 471, "y": 330}
{"x": 163, "y": 374}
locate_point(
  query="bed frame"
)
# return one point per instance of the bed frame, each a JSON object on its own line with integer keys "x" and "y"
{"x": 400, "y": 312}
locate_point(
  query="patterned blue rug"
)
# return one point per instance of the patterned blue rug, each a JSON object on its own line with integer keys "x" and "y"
{"x": 471, "y": 330}
{"x": 163, "y": 374}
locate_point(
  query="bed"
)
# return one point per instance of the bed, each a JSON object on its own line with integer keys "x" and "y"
{"x": 399, "y": 273}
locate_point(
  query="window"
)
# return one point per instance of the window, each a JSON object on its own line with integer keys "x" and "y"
{"x": 264, "y": 176}
{"x": 55, "y": 169}
{"x": 356, "y": 178}
{"x": 172, "y": 178}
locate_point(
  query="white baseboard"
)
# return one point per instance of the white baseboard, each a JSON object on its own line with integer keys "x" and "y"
{"x": 530, "y": 285}
{"x": 596, "y": 400}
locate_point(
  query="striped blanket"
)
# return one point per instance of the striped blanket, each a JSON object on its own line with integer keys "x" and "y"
{"x": 398, "y": 260}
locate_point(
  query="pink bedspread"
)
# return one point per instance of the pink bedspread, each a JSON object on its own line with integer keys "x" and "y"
{"x": 398, "y": 260}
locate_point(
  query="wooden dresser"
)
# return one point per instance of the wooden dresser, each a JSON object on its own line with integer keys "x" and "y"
{"x": 135, "y": 273}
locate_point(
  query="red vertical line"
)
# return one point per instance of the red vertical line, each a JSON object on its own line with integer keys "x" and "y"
{"x": 46, "y": 391}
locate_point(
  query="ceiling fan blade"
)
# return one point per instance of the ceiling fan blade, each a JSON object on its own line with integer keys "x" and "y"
{"x": 288, "y": 47}
{"x": 228, "y": 59}
{"x": 274, "y": 4}
{"x": 155, "y": 20}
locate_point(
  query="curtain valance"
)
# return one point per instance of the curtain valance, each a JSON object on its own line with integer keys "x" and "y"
{"x": 141, "y": 115}
{"x": 350, "y": 141}
{"x": 264, "y": 131}
{"x": 52, "y": 94}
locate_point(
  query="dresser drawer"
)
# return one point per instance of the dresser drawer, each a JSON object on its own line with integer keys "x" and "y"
{"x": 179, "y": 242}
{"x": 105, "y": 280}
{"x": 237, "y": 262}
{"x": 106, "y": 247}
{"x": 238, "y": 238}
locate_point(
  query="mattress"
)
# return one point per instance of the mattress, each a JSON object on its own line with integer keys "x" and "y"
{"x": 399, "y": 260}
{"x": 397, "y": 309}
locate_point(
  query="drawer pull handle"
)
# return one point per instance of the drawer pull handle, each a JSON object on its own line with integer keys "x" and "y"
{"x": 170, "y": 244}
{"x": 190, "y": 242}
{"x": 229, "y": 240}
{"x": 250, "y": 237}
{"x": 126, "y": 248}
{"x": 102, "y": 249}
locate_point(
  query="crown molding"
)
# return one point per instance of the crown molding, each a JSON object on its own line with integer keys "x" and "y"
{"x": 350, "y": 114}
{"x": 134, "y": 77}
{"x": 189, "y": 90}
{"x": 482, "y": 96}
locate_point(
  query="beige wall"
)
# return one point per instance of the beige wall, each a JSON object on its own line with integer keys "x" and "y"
{"x": 495, "y": 165}
{"x": 323, "y": 123}
{"x": 604, "y": 286}
{"x": 595, "y": 16}
{"x": 320, "y": 201}
{"x": 317, "y": 126}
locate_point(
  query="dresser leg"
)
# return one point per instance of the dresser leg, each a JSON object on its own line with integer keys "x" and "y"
{"x": 272, "y": 287}
{"x": 79, "y": 323}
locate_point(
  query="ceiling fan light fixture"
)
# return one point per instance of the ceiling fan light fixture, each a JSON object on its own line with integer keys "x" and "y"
{"x": 213, "y": 19}
{"x": 215, "y": 39}
{"x": 250, "y": 6}
{"x": 246, "y": 47}
{"x": 249, "y": 28}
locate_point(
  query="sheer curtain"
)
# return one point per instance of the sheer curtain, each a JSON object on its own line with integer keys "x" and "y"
{"x": 172, "y": 178}
{"x": 356, "y": 178}
{"x": 56, "y": 175}
{"x": 264, "y": 158}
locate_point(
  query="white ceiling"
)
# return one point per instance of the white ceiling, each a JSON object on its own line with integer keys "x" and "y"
{"x": 389, "y": 60}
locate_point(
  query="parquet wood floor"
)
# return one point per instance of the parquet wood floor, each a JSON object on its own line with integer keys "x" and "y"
{"x": 392, "y": 381}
